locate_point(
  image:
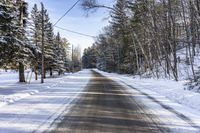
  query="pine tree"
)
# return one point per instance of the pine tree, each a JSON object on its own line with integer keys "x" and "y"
{"x": 8, "y": 32}
{"x": 50, "y": 62}
{"x": 58, "y": 54}
{"x": 119, "y": 25}
{"x": 23, "y": 51}
{"x": 13, "y": 35}
{"x": 65, "y": 54}
{"x": 35, "y": 38}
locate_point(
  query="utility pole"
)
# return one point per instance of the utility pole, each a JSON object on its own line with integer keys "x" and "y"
{"x": 42, "y": 69}
{"x": 72, "y": 59}
{"x": 21, "y": 65}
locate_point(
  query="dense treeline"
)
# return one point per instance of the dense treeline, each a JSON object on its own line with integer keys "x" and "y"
{"x": 144, "y": 36}
{"x": 89, "y": 58}
{"x": 21, "y": 38}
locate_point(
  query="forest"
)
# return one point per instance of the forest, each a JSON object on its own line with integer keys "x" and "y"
{"x": 28, "y": 41}
{"x": 144, "y": 36}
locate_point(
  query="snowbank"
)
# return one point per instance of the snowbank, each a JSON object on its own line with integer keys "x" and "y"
{"x": 170, "y": 89}
{"x": 178, "y": 108}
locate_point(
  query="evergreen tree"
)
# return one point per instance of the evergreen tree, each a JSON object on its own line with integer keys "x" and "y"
{"x": 8, "y": 32}
{"x": 89, "y": 58}
{"x": 58, "y": 52}
{"x": 65, "y": 53}
{"x": 35, "y": 37}
{"x": 50, "y": 62}
{"x": 15, "y": 48}
{"x": 23, "y": 51}
{"x": 119, "y": 30}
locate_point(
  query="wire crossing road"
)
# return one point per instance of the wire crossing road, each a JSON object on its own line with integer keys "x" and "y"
{"x": 104, "y": 106}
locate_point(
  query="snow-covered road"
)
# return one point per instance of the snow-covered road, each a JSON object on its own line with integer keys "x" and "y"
{"x": 33, "y": 108}
{"x": 109, "y": 104}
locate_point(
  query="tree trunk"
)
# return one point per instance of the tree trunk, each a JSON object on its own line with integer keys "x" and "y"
{"x": 51, "y": 73}
{"x": 21, "y": 65}
{"x": 45, "y": 72}
{"x": 42, "y": 69}
{"x": 188, "y": 40}
{"x": 36, "y": 72}
{"x": 192, "y": 26}
{"x": 172, "y": 36}
{"x": 21, "y": 72}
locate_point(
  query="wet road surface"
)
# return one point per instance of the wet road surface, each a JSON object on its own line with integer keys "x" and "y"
{"x": 105, "y": 107}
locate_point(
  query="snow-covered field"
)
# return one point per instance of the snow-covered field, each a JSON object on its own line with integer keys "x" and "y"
{"x": 165, "y": 95}
{"x": 33, "y": 107}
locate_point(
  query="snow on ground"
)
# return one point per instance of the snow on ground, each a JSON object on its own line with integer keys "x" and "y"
{"x": 184, "y": 70}
{"x": 10, "y": 90}
{"x": 33, "y": 107}
{"x": 161, "y": 95}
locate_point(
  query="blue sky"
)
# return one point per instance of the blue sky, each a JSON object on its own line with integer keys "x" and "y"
{"x": 76, "y": 20}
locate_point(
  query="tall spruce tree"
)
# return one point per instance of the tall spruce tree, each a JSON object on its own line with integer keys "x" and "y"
{"x": 23, "y": 51}
{"x": 58, "y": 52}
{"x": 8, "y": 32}
{"x": 35, "y": 38}
{"x": 50, "y": 62}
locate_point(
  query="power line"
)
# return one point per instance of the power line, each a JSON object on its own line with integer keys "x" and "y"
{"x": 66, "y": 12}
{"x": 82, "y": 34}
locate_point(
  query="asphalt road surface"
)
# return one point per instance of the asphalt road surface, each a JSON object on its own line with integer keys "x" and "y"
{"x": 105, "y": 107}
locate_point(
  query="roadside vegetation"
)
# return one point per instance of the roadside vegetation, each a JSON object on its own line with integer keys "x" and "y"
{"x": 151, "y": 38}
{"x": 28, "y": 41}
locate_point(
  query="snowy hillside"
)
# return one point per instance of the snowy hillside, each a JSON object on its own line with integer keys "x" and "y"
{"x": 185, "y": 91}
{"x": 184, "y": 71}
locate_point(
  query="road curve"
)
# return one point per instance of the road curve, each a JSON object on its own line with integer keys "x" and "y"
{"x": 105, "y": 107}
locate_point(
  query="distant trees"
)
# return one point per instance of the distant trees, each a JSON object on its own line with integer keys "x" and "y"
{"x": 144, "y": 36}
{"x": 76, "y": 64}
{"x": 21, "y": 40}
{"x": 89, "y": 57}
